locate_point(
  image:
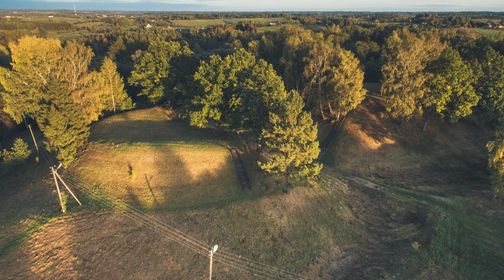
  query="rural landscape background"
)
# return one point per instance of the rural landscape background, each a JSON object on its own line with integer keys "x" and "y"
{"x": 306, "y": 145}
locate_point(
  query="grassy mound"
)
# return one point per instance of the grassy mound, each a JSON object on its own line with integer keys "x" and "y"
{"x": 147, "y": 158}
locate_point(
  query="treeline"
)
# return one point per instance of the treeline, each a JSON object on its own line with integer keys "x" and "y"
{"x": 273, "y": 87}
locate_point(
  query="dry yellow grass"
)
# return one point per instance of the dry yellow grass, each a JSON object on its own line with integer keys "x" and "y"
{"x": 158, "y": 163}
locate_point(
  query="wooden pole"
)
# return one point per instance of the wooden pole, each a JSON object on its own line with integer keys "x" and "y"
{"x": 211, "y": 261}
{"x": 33, "y": 137}
{"x": 57, "y": 188}
{"x": 64, "y": 184}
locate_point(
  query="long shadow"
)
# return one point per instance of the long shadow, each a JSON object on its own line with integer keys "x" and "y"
{"x": 176, "y": 131}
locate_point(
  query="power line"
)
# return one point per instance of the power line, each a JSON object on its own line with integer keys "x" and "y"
{"x": 237, "y": 262}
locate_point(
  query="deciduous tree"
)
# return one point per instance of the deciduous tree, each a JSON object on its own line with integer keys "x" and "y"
{"x": 451, "y": 88}
{"x": 152, "y": 71}
{"x": 405, "y": 58}
{"x": 496, "y": 163}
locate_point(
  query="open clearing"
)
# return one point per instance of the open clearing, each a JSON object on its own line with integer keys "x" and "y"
{"x": 384, "y": 208}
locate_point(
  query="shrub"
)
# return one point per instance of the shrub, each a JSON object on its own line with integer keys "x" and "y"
{"x": 19, "y": 151}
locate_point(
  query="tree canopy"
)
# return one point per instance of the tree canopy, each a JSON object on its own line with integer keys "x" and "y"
{"x": 404, "y": 83}
{"x": 451, "y": 88}
{"x": 152, "y": 71}
{"x": 290, "y": 141}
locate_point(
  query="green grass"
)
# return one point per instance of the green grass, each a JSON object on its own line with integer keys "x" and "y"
{"x": 494, "y": 33}
{"x": 202, "y": 23}
{"x": 462, "y": 241}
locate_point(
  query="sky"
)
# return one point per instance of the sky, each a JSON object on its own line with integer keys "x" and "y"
{"x": 260, "y": 5}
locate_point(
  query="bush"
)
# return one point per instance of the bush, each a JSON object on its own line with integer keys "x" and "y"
{"x": 19, "y": 151}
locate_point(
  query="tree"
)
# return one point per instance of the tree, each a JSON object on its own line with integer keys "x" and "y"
{"x": 290, "y": 141}
{"x": 451, "y": 88}
{"x": 496, "y": 163}
{"x": 153, "y": 69}
{"x": 405, "y": 58}
{"x": 34, "y": 60}
{"x": 52, "y": 84}
{"x": 237, "y": 91}
{"x": 317, "y": 73}
{"x": 335, "y": 81}
{"x": 491, "y": 85}
{"x": 346, "y": 85}
{"x": 62, "y": 122}
{"x": 113, "y": 96}
{"x": 19, "y": 151}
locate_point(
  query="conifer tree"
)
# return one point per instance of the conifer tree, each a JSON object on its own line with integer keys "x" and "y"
{"x": 290, "y": 141}
{"x": 62, "y": 122}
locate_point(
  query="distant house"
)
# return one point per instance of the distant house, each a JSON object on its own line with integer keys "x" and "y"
{"x": 272, "y": 24}
{"x": 148, "y": 26}
{"x": 50, "y": 16}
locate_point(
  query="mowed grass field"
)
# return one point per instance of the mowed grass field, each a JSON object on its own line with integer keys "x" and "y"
{"x": 145, "y": 157}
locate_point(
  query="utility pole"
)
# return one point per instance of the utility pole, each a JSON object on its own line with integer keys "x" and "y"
{"x": 57, "y": 187}
{"x": 33, "y": 138}
{"x": 68, "y": 189}
{"x": 57, "y": 177}
{"x": 212, "y": 251}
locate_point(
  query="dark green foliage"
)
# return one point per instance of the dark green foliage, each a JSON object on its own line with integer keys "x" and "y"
{"x": 237, "y": 91}
{"x": 62, "y": 122}
{"x": 452, "y": 94}
{"x": 19, "y": 151}
{"x": 152, "y": 71}
{"x": 491, "y": 85}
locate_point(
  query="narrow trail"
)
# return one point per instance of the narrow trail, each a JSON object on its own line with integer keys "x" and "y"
{"x": 241, "y": 172}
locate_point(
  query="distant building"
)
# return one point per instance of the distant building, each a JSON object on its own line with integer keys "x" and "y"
{"x": 50, "y": 16}
{"x": 148, "y": 26}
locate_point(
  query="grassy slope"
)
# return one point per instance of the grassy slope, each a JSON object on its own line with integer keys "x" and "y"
{"x": 443, "y": 172}
{"x": 346, "y": 228}
{"x": 189, "y": 171}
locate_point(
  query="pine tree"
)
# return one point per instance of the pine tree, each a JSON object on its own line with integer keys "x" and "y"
{"x": 290, "y": 141}
{"x": 62, "y": 122}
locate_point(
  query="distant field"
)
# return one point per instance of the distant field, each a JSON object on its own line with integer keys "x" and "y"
{"x": 201, "y": 23}
{"x": 499, "y": 33}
